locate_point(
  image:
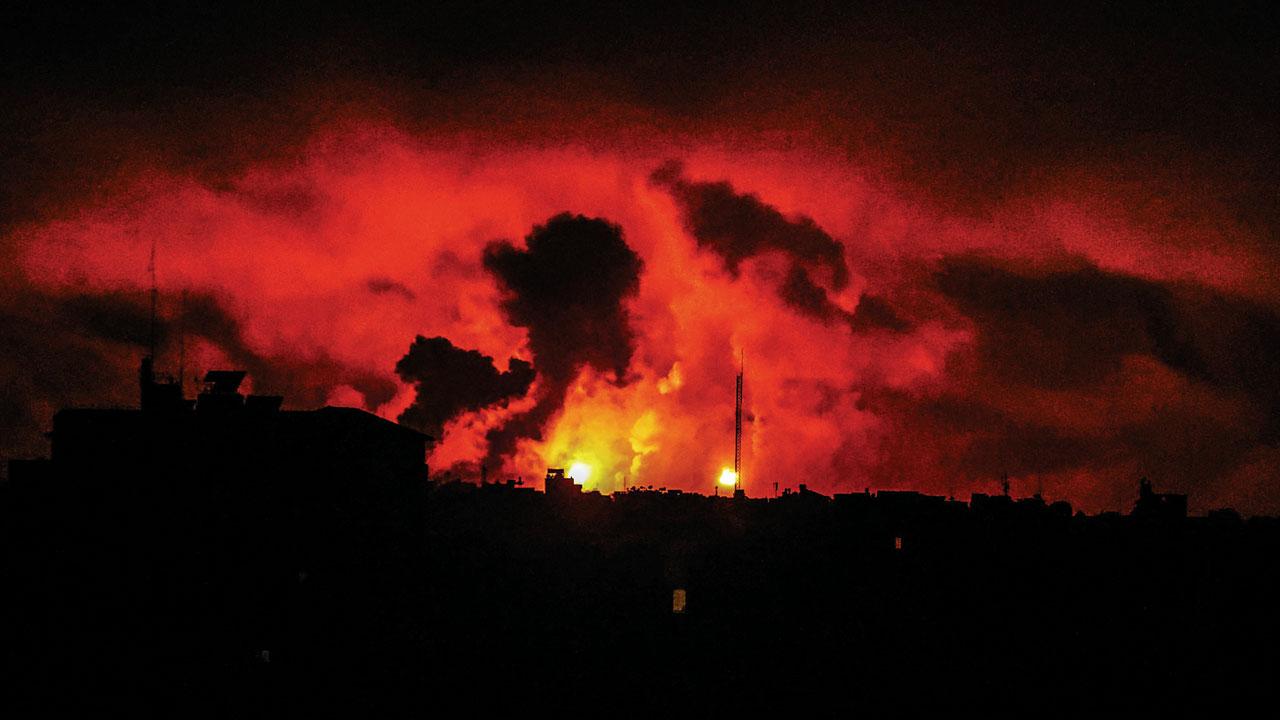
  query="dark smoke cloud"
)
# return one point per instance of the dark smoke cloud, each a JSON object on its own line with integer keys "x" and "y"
{"x": 800, "y": 292}
{"x": 387, "y": 286}
{"x": 567, "y": 287}
{"x": 81, "y": 348}
{"x": 738, "y": 227}
{"x": 449, "y": 380}
{"x": 1073, "y": 327}
{"x": 1075, "y": 370}
{"x": 976, "y": 438}
{"x": 61, "y": 351}
{"x": 874, "y": 312}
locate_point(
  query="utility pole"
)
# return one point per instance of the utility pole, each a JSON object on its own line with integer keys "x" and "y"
{"x": 737, "y": 427}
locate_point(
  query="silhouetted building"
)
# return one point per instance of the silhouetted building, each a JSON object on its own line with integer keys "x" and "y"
{"x": 218, "y": 514}
{"x": 902, "y": 504}
{"x": 1158, "y": 506}
{"x": 1060, "y": 508}
{"x": 557, "y": 484}
{"x": 802, "y": 496}
{"x": 983, "y": 503}
{"x": 224, "y": 436}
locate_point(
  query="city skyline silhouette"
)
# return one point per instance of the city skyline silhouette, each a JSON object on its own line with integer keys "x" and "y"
{"x": 717, "y": 358}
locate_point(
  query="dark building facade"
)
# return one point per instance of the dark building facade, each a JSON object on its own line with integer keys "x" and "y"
{"x": 185, "y": 537}
{"x": 1152, "y": 505}
{"x": 225, "y": 457}
{"x": 558, "y": 485}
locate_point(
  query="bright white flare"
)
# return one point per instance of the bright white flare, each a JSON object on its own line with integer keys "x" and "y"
{"x": 728, "y": 477}
{"x": 579, "y": 472}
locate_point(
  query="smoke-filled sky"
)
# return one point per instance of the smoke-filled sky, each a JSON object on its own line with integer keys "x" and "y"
{"x": 949, "y": 244}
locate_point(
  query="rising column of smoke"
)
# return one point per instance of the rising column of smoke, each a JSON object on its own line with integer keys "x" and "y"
{"x": 568, "y": 288}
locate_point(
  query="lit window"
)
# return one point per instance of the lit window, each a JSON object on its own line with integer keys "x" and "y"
{"x": 897, "y": 543}
{"x": 677, "y": 601}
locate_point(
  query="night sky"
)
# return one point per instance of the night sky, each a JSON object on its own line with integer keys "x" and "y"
{"x": 949, "y": 243}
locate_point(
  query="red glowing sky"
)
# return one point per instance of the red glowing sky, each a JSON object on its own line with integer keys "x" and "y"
{"x": 1077, "y": 312}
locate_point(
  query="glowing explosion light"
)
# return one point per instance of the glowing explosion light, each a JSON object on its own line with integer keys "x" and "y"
{"x": 579, "y": 472}
{"x": 728, "y": 477}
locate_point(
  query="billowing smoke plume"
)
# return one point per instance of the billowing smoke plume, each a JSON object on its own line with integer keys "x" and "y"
{"x": 449, "y": 381}
{"x": 567, "y": 288}
{"x": 738, "y": 227}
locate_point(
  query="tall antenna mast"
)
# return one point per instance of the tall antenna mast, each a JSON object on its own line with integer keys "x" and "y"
{"x": 737, "y": 425}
